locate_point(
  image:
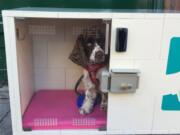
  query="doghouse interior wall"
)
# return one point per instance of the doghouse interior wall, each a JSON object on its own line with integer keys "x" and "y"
{"x": 25, "y": 63}
{"x": 52, "y": 43}
{"x": 43, "y": 47}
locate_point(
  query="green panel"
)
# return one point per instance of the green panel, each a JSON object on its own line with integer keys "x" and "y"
{"x": 1, "y": 40}
{"x": 1, "y": 30}
{"x": 1, "y": 25}
{"x": 3, "y": 72}
{"x": 112, "y": 4}
{"x": 3, "y": 75}
{"x": 2, "y": 58}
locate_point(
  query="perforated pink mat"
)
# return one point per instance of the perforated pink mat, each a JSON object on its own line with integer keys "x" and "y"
{"x": 56, "y": 109}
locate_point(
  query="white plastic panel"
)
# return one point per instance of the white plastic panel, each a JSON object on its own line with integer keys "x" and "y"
{"x": 42, "y": 29}
{"x": 122, "y": 15}
{"x": 31, "y": 14}
{"x": 144, "y": 37}
{"x": 170, "y": 30}
{"x": 40, "y": 132}
{"x": 72, "y": 75}
{"x": 13, "y": 77}
{"x": 41, "y": 80}
{"x": 49, "y": 78}
{"x": 154, "y": 16}
{"x": 170, "y": 16}
{"x": 82, "y": 132}
{"x": 84, "y": 15}
{"x": 39, "y": 51}
{"x": 138, "y": 16}
{"x": 119, "y": 63}
{"x": 25, "y": 64}
{"x": 166, "y": 121}
{"x": 134, "y": 113}
{"x": 56, "y": 78}
{"x": 74, "y": 27}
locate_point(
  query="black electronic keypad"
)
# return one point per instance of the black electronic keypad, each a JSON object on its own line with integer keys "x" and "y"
{"x": 121, "y": 39}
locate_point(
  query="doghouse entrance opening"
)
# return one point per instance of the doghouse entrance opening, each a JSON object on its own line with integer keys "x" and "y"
{"x": 47, "y": 77}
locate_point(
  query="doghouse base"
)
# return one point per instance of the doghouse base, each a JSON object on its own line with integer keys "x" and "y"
{"x": 57, "y": 109}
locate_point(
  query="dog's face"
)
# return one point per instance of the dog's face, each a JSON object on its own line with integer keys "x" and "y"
{"x": 94, "y": 51}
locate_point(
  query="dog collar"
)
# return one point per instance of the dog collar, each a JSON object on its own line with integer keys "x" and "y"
{"x": 92, "y": 70}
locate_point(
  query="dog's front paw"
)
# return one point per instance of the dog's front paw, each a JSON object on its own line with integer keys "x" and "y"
{"x": 85, "y": 110}
{"x": 87, "y": 107}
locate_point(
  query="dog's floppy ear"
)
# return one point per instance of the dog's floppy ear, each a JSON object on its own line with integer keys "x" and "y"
{"x": 91, "y": 39}
{"x": 78, "y": 55}
{"x": 80, "y": 39}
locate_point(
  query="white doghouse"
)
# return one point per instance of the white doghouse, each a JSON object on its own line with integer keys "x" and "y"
{"x": 39, "y": 41}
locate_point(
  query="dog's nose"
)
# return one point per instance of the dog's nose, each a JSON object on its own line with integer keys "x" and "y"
{"x": 99, "y": 55}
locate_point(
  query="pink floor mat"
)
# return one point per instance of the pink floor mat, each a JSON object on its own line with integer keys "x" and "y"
{"x": 56, "y": 109}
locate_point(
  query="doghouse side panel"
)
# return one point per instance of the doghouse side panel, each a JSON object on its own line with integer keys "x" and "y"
{"x": 25, "y": 63}
{"x": 167, "y": 109}
{"x": 132, "y": 113}
{"x": 143, "y": 41}
{"x": 170, "y": 30}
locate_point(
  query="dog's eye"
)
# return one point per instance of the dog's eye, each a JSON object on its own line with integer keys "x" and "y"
{"x": 89, "y": 44}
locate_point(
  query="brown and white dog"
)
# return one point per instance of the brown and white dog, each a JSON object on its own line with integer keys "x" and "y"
{"x": 89, "y": 54}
